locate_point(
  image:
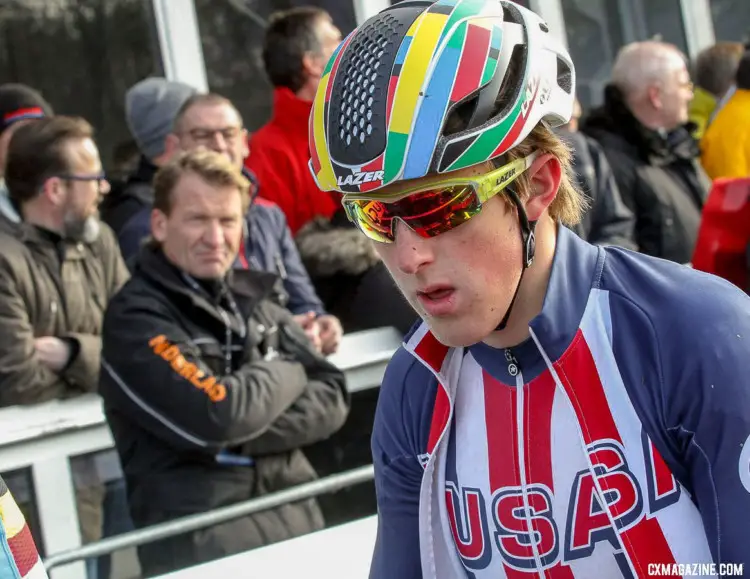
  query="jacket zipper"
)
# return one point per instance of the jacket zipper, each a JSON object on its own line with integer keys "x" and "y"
{"x": 228, "y": 345}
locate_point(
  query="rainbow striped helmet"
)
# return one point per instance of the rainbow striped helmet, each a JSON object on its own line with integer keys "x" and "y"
{"x": 380, "y": 110}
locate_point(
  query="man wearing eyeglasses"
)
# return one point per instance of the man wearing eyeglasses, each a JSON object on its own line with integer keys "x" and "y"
{"x": 59, "y": 266}
{"x": 150, "y": 109}
{"x": 212, "y": 122}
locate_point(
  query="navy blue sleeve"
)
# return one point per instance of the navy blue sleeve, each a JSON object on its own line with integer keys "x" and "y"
{"x": 133, "y": 233}
{"x": 396, "y": 444}
{"x": 693, "y": 341}
{"x": 706, "y": 366}
{"x": 302, "y": 295}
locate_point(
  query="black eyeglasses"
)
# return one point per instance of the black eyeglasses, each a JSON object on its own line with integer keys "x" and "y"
{"x": 205, "y": 135}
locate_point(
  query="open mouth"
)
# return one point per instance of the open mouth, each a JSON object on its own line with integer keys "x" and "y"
{"x": 438, "y": 300}
{"x": 436, "y": 295}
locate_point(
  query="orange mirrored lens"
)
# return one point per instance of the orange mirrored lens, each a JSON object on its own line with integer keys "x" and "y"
{"x": 428, "y": 213}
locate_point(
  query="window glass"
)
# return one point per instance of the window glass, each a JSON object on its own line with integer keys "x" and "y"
{"x": 597, "y": 29}
{"x": 594, "y": 30}
{"x": 664, "y": 20}
{"x": 731, "y": 20}
{"x": 232, "y": 38}
{"x": 82, "y": 55}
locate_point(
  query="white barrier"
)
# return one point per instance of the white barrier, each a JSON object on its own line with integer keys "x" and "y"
{"x": 342, "y": 552}
{"x": 44, "y": 437}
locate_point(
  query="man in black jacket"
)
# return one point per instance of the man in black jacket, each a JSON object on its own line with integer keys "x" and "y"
{"x": 211, "y": 389}
{"x": 642, "y": 129}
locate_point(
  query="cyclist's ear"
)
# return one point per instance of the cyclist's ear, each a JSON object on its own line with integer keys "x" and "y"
{"x": 545, "y": 176}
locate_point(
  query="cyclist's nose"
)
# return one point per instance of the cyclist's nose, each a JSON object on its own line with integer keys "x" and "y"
{"x": 411, "y": 251}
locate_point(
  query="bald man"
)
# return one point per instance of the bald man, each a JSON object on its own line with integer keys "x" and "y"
{"x": 642, "y": 127}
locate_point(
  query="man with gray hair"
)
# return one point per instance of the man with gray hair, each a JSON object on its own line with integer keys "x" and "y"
{"x": 150, "y": 108}
{"x": 642, "y": 127}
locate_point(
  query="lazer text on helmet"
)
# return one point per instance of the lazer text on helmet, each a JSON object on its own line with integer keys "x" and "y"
{"x": 359, "y": 178}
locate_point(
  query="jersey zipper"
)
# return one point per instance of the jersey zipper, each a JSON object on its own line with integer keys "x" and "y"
{"x": 515, "y": 370}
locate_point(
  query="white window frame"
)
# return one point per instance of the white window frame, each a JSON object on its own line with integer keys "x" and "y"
{"x": 180, "y": 42}
{"x": 699, "y": 25}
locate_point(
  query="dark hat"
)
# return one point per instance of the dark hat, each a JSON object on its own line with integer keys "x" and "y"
{"x": 19, "y": 102}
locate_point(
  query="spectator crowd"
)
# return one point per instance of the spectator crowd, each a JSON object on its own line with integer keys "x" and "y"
{"x": 201, "y": 294}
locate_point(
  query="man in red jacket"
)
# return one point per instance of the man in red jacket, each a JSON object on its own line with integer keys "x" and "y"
{"x": 297, "y": 47}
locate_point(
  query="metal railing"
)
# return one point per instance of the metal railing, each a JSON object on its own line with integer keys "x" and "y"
{"x": 45, "y": 436}
{"x": 182, "y": 525}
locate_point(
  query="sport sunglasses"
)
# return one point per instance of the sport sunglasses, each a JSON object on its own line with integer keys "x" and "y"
{"x": 432, "y": 209}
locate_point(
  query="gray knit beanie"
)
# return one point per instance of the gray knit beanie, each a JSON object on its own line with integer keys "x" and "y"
{"x": 151, "y": 107}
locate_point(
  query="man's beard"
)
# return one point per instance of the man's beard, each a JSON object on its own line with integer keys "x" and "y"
{"x": 85, "y": 229}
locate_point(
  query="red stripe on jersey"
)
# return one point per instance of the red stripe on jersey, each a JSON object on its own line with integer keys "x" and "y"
{"x": 502, "y": 433}
{"x": 432, "y": 352}
{"x": 644, "y": 542}
{"x": 471, "y": 68}
{"x": 537, "y": 411}
{"x": 440, "y": 415}
{"x": 587, "y": 397}
{"x": 502, "y": 450}
{"x": 538, "y": 398}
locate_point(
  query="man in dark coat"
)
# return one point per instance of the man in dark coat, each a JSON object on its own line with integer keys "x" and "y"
{"x": 642, "y": 129}
{"x": 211, "y": 389}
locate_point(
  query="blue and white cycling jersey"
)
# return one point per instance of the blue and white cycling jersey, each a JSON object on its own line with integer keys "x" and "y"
{"x": 614, "y": 439}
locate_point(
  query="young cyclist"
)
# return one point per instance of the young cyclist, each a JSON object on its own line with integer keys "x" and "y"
{"x": 564, "y": 410}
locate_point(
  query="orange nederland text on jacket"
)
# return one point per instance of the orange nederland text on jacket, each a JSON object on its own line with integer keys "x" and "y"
{"x": 197, "y": 377}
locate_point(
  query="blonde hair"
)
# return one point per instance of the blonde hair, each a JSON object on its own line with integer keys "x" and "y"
{"x": 214, "y": 168}
{"x": 570, "y": 203}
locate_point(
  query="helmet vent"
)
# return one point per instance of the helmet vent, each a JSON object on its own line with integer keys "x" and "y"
{"x": 564, "y": 76}
{"x": 512, "y": 14}
{"x": 359, "y": 86}
{"x": 357, "y": 117}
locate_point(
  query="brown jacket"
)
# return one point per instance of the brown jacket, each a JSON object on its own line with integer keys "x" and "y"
{"x": 51, "y": 287}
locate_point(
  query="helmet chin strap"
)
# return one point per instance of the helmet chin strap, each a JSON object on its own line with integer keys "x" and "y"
{"x": 529, "y": 248}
